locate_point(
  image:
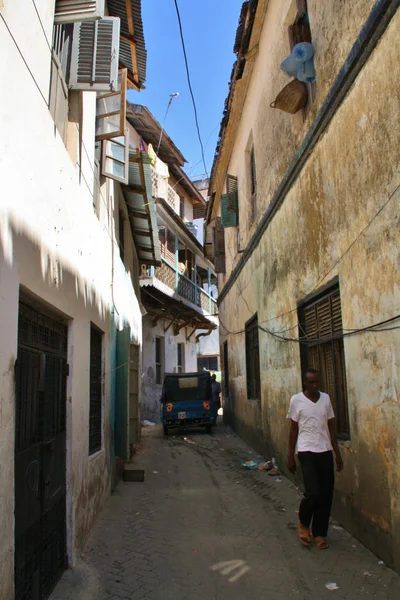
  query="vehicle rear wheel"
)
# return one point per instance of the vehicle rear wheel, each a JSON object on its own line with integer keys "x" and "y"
{"x": 165, "y": 430}
{"x": 208, "y": 429}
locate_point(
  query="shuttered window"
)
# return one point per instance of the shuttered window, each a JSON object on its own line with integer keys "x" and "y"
{"x": 181, "y": 207}
{"x": 70, "y": 11}
{"x": 253, "y": 183}
{"x": 95, "y": 55}
{"x": 170, "y": 248}
{"x": 199, "y": 212}
{"x": 219, "y": 246}
{"x": 228, "y": 218}
{"x": 207, "y": 363}
{"x": 252, "y": 359}
{"x": 320, "y": 321}
{"x": 95, "y": 410}
{"x": 300, "y": 30}
{"x": 232, "y": 192}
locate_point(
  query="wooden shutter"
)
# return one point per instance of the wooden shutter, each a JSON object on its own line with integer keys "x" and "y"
{"x": 199, "y": 212}
{"x": 228, "y": 218}
{"x": 71, "y": 11}
{"x": 233, "y": 196}
{"x": 219, "y": 247}
{"x": 170, "y": 248}
{"x": 181, "y": 207}
{"x": 111, "y": 110}
{"x": 161, "y": 237}
{"x": 116, "y": 158}
{"x": 95, "y": 55}
{"x": 301, "y": 8}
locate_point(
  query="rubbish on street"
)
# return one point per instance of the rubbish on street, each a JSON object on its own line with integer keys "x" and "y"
{"x": 337, "y": 527}
{"x": 275, "y": 464}
{"x": 367, "y": 574}
{"x": 278, "y": 480}
{"x": 380, "y": 562}
{"x": 265, "y": 466}
{"x": 189, "y": 441}
{"x": 147, "y": 423}
{"x": 274, "y": 472}
{"x": 332, "y": 586}
{"x": 249, "y": 464}
{"x": 155, "y": 472}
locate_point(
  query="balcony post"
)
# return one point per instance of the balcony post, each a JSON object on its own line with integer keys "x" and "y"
{"x": 195, "y": 283}
{"x": 176, "y": 263}
{"x": 209, "y": 289}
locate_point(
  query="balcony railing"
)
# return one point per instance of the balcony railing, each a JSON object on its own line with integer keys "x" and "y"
{"x": 186, "y": 288}
{"x": 162, "y": 189}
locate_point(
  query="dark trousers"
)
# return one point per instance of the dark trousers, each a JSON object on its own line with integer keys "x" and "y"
{"x": 319, "y": 479}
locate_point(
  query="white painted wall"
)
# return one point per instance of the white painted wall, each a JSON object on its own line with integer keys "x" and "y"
{"x": 152, "y": 391}
{"x": 53, "y": 244}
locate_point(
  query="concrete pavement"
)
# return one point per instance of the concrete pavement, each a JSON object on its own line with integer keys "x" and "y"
{"x": 201, "y": 527}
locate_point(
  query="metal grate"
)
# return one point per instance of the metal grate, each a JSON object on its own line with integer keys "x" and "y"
{"x": 40, "y": 331}
{"x": 95, "y": 414}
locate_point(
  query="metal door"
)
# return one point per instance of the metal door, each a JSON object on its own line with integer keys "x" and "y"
{"x": 40, "y": 454}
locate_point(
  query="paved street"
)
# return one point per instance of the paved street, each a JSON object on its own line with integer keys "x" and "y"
{"x": 202, "y": 527}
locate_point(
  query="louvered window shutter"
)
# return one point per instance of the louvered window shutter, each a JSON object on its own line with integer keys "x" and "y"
{"x": 233, "y": 197}
{"x": 111, "y": 110}
{"x": 219, "y": 247}
{"x": 161, "y": 236}
{"x": 95, "y": 55}
{"x": 116, "y": 158}
{"x": 71, "y": 11}
{"x": 228, "y": 218}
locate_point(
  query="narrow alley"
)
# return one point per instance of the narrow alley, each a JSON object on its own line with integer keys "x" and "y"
{"x": 201, "y": 526}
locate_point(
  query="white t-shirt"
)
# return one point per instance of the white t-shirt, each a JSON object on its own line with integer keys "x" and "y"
{"x": 312, "y": 418}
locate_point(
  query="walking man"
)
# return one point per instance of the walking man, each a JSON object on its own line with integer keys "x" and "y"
{"x": 312, "y": 429}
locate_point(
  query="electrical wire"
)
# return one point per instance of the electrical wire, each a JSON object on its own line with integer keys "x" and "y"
{"x": 190, "y": 85}
{"x": 321, "y": 279}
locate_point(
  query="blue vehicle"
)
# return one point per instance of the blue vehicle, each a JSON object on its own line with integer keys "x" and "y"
{"x": 186, "y": 401}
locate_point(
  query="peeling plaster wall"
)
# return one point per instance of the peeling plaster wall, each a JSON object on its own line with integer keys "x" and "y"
{"x": 321, "y": 231}
{"x": 151, "y": 408}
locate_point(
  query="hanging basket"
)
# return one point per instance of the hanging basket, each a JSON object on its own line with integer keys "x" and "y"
{"x": 292, "y": 98}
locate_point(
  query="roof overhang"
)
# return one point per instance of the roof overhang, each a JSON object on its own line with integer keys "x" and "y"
{"x": 150, "y": 129}
{"x": 132, "y": 49}
{"x": 184, "y": 181}
{"x": 162, "y": 302}
{"x": 141, "y": 208}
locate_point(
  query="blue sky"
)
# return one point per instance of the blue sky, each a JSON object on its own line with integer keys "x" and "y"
{"x": 209, "y": 27}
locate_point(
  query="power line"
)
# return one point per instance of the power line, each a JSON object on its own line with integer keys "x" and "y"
{"x": 321, "y": 279}
{"x": 190, "y": 85}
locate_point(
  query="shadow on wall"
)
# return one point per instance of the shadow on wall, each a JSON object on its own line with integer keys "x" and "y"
{"x": 52, "y": 283}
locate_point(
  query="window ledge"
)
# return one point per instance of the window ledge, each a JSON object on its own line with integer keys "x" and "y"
{"x": 96, "y": 455}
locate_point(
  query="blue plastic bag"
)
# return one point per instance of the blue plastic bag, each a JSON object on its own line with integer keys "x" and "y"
{"x": 290, "y": 66}
{"x": 303, "y": 52}
{"x": 306, "y": 72}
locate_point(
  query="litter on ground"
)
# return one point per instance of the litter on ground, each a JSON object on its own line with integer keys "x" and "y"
{"x": 332, "y": 586}
{"x": 147, "y": 423}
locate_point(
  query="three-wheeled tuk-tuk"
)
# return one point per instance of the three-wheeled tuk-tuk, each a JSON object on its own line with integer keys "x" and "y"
{"x": 186, "y": 401}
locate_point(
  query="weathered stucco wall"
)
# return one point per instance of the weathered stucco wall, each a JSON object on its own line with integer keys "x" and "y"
{"x": 54, "y": 246}
{"x": 152, "y": 390}
{"x": 323, "y": 230}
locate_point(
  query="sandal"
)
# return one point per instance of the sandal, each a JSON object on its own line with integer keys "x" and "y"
{"x": 304, "y": 535}
{"x": 321, "y": 542}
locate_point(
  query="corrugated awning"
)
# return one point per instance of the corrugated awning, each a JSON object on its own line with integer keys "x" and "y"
{"x": 132, "y": 49}
{"x": 141, "y": 208}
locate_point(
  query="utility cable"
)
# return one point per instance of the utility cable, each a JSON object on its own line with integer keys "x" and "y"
{"x": 190, "y": 85}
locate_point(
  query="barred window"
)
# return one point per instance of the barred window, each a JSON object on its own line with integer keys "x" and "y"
{"x": 95, "y": 410}
{"x": 207, "y": 363}
{"x": 252, "y": 359}
{"x": 320, "y": 320}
